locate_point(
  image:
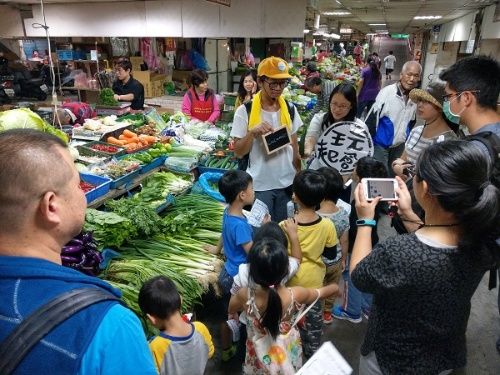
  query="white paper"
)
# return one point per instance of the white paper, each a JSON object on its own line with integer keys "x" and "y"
{"x": 257, "y": 214}
{"x": 326, "y": 361}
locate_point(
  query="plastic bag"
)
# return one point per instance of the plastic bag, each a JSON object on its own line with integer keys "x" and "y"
{"x": 199, "y": 61}
{"x": 213, "y": 177}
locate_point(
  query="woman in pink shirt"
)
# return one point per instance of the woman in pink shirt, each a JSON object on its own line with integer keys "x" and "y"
{"x": 200, "y": 102}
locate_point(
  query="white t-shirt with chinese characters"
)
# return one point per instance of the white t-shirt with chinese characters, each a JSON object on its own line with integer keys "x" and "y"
{"x": 315, "y": 131}
{"x": 269, "y": 172}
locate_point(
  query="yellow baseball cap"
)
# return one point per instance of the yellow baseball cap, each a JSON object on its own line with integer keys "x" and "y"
{"x": 273, "y": 67}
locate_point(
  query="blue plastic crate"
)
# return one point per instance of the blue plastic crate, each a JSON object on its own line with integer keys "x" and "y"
{"x": 103, "y": 185}
{"x": 203, "y": 169}
{"x": 71, "y": 55}
{"x": 124, "y": 179}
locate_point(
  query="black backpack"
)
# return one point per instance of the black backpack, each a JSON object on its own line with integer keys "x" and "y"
{"x": 492, "y": 143}
{"x": 244, "y": 161}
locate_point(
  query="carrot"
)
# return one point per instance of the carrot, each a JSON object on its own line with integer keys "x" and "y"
{"x": 115, "y": 141}
{"x": 132, "y": 140}
{"x": 149, "y": 138}
{"x": 129, "y": 134}
{"x": 131, "y": 145}
{"x": 123, "y": 137}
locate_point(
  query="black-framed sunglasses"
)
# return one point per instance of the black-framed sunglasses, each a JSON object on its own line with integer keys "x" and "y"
{"x": 458, "y": 93}
{"x": 276, "y": 85}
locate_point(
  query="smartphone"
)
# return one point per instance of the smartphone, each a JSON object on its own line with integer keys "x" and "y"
{"x": 380, "y": 187}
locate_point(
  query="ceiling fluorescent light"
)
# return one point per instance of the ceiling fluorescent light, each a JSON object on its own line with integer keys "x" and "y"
{"x": 376, "y": 24}
{"x": 335, "y": 13}
{"x": 426, "y": 17}
{"x": 306, "y": 31}
{"x": 338, "y": 2}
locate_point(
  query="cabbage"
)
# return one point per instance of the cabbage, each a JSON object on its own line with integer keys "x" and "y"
{"x": 24, "y": 118}
{"x": 21, "y": 118}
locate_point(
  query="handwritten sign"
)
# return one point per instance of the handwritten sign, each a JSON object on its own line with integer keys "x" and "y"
{"x": 276, "y": 140}
{"x": 342, "y": 144}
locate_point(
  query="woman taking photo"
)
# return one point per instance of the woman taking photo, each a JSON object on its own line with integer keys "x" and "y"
{"x": 343, "y": 107}
{"x": 247, "y": 88}
{"x": 422, "y": 283}
{"x": 200, "y": 102}
{"x": 437, "y": 127}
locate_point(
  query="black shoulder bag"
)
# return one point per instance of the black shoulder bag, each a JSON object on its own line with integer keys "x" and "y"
{"x": 43, "y": 320}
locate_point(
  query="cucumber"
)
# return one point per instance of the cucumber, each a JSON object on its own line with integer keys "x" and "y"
{"x": 225, "y": 162}
{"x": 302, "y": 141}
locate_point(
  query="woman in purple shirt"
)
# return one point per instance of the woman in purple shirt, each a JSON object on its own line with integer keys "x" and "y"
{"x": 368, "y": 86}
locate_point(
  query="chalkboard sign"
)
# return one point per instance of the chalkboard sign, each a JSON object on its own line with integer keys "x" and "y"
{"x": 276, "y": 140}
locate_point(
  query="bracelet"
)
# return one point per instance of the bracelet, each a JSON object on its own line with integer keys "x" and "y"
{"x": 366, "y": 223}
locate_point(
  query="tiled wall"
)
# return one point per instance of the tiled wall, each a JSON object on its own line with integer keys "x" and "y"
{"x": 167, "y": 101}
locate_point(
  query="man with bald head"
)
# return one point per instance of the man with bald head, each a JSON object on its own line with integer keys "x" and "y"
{"x": 41, "y": 208}
{"x": 393, "y": 116}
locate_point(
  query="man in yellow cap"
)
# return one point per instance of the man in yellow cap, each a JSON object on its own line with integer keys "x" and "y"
{"x": 272, "y": 173}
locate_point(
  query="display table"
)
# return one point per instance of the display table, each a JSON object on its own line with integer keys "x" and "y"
{"x": 122, "y": 190}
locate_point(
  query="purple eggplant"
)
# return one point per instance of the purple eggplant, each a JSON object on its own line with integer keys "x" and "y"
{"x": 72, "y": 249}
{"x": 69, "y": 259}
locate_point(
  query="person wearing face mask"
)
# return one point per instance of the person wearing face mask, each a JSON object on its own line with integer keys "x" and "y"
{"x": 472, "y": 91}
{"x": 437, "y": 127}
{"x": 247, "y": 88}
{"x": 393, "y": 116}
{"x": 272, "y": 173}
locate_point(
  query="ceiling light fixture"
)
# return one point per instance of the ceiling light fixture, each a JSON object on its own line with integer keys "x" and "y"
{"x": 338, "y": 2}
{"x": 426, "y": 17}
{"x": 376, "y": 24}
{"x": 335, "y": 13}
{"x": 306, "y": 31}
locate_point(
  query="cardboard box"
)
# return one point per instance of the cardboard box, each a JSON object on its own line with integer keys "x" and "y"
{"x": 136, "y": 63}
{"x": 154, "y": 87}
{"x": 142, "y": 76}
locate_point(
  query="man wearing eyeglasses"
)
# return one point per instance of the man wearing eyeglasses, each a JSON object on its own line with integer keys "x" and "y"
{"x": 393, "y": 116}
{"x": 126, "y": 87}
{"x": 272, "y": 173}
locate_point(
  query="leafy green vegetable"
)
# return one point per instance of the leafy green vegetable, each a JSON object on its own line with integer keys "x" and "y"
{"x": 106, "y": 97}
{"x": 143, "y": 217}
{"x": 109, "y": 229}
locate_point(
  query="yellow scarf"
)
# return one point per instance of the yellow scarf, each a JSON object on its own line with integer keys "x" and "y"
{"x": 254, "y": 119}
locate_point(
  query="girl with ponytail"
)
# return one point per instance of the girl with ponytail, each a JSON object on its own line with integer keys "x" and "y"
{"x": 422, "y": 282}
{"x": 273, "y": 310}
{"x": 369, "y": 85}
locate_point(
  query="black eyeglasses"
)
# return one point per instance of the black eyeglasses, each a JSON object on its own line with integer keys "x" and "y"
{"x": 456, "y": 94}
{"x": 276, "y": 85}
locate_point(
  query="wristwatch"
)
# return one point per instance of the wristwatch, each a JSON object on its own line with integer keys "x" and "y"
{"x": 364, "y": 223}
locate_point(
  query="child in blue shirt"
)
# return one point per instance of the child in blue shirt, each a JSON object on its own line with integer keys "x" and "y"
{"x": 237, "y": 188}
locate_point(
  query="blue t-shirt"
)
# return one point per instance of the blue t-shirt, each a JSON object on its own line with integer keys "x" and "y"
{"x": 235, "y": 232}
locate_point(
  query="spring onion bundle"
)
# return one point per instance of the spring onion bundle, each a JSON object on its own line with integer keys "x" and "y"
{"x": 182, "y": 253}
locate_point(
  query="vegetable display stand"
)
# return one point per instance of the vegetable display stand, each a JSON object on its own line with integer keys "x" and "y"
{"x": 102, "y": 186}
{"x": 157, "y": 162}
{"x": 122, "y": 180}
{"x": 89, "y": 156}
{"x": 105, "y": 148}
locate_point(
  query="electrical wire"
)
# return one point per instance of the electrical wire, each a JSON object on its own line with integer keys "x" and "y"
{"x": 51, "y": 65}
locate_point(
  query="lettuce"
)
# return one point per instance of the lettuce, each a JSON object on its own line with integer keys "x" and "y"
{"x": 24, "y": 118}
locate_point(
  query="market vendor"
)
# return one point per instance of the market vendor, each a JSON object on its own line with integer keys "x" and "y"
{"x": 126, "y": 87}
{"x": 322, "y": 89}
{"x": 200, "y": 102}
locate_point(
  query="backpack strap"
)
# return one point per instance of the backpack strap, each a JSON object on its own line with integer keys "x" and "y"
{"x": 40, "y": 322}
{"x": 491, "y": 141}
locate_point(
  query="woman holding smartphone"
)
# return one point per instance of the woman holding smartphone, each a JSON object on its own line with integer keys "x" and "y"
{"x": 422, "y": 283}
{"x": 437, "y": 127}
